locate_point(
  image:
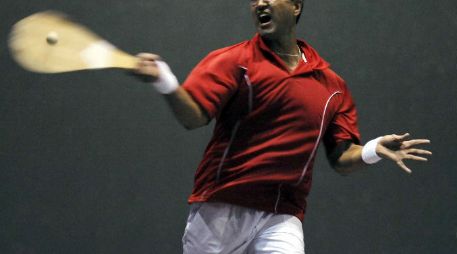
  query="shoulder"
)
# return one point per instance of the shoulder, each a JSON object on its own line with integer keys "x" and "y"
{"x": 332, "y": 76}
{"x": 230, "y": 55}
{"x": 331, "y": 79}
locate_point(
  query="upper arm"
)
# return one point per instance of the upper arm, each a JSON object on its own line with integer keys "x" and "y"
{"x": 186, "y": 110}
{"x": 213, "y": 81}
{"x": 343, "y": 130}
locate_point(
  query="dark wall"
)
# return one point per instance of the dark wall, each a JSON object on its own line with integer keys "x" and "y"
{"x": 94, "y": 162}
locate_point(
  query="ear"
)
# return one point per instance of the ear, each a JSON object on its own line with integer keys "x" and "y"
{"x": 298, "y": 6}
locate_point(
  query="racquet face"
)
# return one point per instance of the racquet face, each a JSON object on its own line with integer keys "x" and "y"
{"x": 49, "y": 42}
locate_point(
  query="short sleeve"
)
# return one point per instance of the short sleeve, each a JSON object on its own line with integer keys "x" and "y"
{"x": 214, "y": 80}
{"x": 343, "y": 127}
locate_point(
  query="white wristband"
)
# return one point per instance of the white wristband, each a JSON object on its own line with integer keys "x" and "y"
{"x": 369, "y": 155}
{"x": 166, "y": 82}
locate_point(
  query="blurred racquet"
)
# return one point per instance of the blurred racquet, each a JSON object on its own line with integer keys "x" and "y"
{"x": 49, "y": 42}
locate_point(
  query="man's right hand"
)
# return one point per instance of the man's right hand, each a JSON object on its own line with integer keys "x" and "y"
{"x": 146, "y": 69}
{"x": 153, "y": 70}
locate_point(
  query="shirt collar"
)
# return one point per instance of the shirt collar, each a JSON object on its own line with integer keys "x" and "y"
{"x": 315, "y": 62}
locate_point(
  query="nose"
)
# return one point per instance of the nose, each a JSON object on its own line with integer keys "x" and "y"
{"x": 260, "y": 2}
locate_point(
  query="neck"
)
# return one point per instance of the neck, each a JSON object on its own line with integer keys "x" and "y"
{"x": 285, "y": 44}
{"x": 286, "y": 48}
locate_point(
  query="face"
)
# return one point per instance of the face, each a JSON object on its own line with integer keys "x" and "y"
{"x": 274, "y": 17}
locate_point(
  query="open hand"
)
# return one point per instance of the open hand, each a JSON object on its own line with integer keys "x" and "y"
{"x": 398, "y": 148}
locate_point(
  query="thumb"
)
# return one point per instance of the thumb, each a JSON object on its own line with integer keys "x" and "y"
{"x": 393, "y": 138}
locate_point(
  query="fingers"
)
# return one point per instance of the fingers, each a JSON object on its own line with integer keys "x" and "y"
{"x": 393, "y": 141}
{"x": 411, "y": 154}
{"x": 414, "y": 142}
{"x": 398, "y": 156}
{"x": 416, "y": 158}
{"x": 394, "y": 137}
{"x": 145, "y": 64}
{"x": 400, "y": 138}
{"x": 146, "y": 68}
{"x": 398, "y": 142}
{"x": 148, "y": 56}
{"x": 399, "y": 161}
{"x": 402, "y": 165}
{"x": 418, "y": 151}
{"x": 146, "y": 61}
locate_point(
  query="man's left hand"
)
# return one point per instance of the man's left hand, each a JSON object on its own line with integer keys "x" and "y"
{"x": 399, "y": 148}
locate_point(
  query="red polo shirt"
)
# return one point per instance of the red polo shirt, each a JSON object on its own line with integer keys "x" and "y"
{"x": 269, "y": 122}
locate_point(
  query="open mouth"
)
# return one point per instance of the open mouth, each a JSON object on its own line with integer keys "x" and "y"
{"x": 264, "y": 18}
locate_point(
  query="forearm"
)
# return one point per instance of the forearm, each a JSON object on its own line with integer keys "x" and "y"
{"x": 350, "y": 160}
{"x": 185, "y": 109}
{"x": 396, "y": 148}
{"x": 158, "y": 73}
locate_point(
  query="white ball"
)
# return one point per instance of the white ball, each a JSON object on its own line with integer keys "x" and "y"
{"x": 52, "y": 38}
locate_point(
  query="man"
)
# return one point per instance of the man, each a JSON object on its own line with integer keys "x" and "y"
{"x": 274, "y": 99}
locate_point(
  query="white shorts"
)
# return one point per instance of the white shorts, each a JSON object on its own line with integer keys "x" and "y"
{"x": 223, "y": 228}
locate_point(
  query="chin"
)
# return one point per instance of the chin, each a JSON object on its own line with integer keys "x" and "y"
{"x": 267, "y": 32}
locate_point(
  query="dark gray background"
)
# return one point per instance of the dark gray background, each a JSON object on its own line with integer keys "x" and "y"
{"x": 94, "y": 162}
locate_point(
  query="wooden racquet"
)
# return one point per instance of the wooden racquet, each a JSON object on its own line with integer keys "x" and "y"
{"x": 49, "y": 42}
